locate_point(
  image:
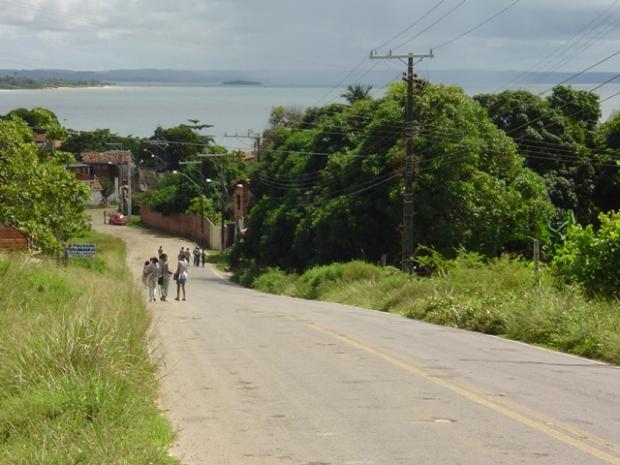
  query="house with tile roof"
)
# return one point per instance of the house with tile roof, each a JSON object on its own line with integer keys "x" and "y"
{"x": 115, "y": 165}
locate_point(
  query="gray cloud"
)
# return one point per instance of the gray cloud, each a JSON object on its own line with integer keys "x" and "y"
{"x": 287, "y": 34}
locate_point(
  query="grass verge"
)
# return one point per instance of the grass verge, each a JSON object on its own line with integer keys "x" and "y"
{"x": 77, "y": 383}
{"x": 500, "y": 297}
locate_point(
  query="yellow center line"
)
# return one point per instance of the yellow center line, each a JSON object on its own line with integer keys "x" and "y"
{"x": 513, "y": 411}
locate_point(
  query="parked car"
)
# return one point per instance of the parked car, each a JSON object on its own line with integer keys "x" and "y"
{"x": 118, "y": 219}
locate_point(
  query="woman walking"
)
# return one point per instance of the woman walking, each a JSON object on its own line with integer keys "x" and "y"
{"x": 165, "y": 276}
{"x": 181, "y": 275}
{"x": 152, "y": 278}
{"x": 145, "y": 273}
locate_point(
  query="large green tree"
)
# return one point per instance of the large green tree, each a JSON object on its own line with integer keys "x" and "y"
{"x": 38, "y": 195}
{"x": 556, "y": 137}
{"x": 329, "y": 186}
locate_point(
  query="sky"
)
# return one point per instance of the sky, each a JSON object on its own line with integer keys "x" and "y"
{"x": 300, "y": 35}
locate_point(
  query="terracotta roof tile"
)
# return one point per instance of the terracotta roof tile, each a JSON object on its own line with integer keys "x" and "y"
{"x": 114, "y": 156}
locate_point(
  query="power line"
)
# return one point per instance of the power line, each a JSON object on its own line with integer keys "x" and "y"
{"x": 359, "y": 65}
{"x": 433, "y": 24}
{"x": 563, "y": 49}
{"x": 412, "y": 25}
{"x": 476, "y": 27}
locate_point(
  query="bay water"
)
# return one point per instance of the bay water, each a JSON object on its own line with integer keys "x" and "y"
{"x": 138, "y": 110}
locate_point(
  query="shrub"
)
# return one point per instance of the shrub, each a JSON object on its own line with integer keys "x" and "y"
{"x": 592, "y": 258}
{"x": 275, "y": 281}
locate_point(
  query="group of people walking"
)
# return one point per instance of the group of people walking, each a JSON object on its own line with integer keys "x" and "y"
{"x": 156, "y": 274}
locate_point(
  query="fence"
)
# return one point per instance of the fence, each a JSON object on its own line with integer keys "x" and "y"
{"x": 202, "y": 231}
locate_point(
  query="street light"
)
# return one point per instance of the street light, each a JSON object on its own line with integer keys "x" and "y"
{"x": 155, "y": 157}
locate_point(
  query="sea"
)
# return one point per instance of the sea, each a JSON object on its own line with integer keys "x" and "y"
{"x": 232, "y": 110}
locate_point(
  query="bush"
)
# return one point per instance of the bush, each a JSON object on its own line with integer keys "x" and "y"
{"x": 497, "y": 296}
{"x": 592, "y": 258}
{"x": 275, "y": 281}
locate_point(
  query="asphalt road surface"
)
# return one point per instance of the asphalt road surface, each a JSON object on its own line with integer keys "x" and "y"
{"x": 250, "y": 378}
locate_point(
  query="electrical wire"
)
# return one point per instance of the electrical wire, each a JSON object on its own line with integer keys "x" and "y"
{"x": 477, "y": 26}
{"x": 433, "y": 24}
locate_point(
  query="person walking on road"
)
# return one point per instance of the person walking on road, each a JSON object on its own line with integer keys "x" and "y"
{"x": 165, "y": 274}
{"x": 188, "y": 256}
{"x": 153, "y": 276}
{"x": 160, "y": 252}
{"x": 181, "y": 275}
{"x": 204, "y": 257}
{"x": 197, "y": 255}
{"x": 145, "y": 273}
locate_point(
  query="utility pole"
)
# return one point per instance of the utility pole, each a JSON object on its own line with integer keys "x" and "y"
{"x": 250, "y": 135}
{"x": 224, "y": 195}
{"x": 410, "y": 78}
{"x": 202, "y": 195}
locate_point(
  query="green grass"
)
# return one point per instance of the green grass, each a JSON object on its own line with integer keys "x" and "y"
{"x": 136, "y": 222}
{"x": 500, "y": 297}
{"x": 77, "y": 383}
{"x": 219, "y": 259}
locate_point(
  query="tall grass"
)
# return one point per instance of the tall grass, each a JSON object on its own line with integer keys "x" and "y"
{"x": 77, "y": 384}
{"x": 501, "y": 297}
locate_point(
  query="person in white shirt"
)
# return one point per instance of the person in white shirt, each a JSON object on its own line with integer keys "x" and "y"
{"x": 165, "y": 277}
{"x": 153, "y": 275}
{"x": 181, "y": 275}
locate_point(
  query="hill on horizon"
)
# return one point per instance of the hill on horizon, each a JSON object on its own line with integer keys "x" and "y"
{"x": 463, "y": 77}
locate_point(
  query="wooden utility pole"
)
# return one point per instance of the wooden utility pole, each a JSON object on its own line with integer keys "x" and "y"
{"x": 410, "y": 78}
{"x": 203, "y": 193}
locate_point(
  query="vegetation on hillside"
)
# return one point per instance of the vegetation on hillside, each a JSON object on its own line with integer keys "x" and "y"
{"x": 77, "y": 383}
{"x": 19, "y": 82}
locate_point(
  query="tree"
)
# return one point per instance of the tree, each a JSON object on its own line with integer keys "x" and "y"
{"x": 357, "y": 92}
{"x": 332, "y": 190}
{"x": 38, "y": 195}
{"x": 590, "y": 257}
{"x": 555, "y": 136}
{"x": 107, "y": 188}
{"x": 580, "y": 107}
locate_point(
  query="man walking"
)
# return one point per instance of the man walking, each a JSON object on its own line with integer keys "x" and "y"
{"x": 197, "y": 255}
{"x": 165, "y": 276}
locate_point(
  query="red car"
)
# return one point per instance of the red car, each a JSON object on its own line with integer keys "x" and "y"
{"x": 118, "y": 219}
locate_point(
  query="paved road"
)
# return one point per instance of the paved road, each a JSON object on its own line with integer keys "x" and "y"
{"x": 250, "y": 378}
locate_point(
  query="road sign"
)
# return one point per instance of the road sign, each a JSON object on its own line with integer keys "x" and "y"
{"x": 80, "y": 250}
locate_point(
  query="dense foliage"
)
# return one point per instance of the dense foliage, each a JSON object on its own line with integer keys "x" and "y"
{"x": 592, "y": 257}
{"x": 204, "y": 187}
{"x": 561, "y": 140}
{"x": 37, "y": 193}
{"x": 328, "y": 187}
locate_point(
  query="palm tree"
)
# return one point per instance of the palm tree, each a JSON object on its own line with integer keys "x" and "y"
{"x": 357, "y": 92}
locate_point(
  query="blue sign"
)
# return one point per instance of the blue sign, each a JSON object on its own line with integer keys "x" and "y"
{"x": 80, "y": 250}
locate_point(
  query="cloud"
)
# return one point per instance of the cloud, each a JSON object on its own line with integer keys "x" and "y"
{"x": 286, "y": 34}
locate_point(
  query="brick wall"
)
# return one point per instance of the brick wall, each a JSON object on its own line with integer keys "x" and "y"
{"x": 179, "y": 224}
{"x": 12, "y": 239}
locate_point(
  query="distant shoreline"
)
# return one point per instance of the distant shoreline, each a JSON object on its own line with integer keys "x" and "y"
{"x": 106, "y": 86}
{"x": 15, "y": 82}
